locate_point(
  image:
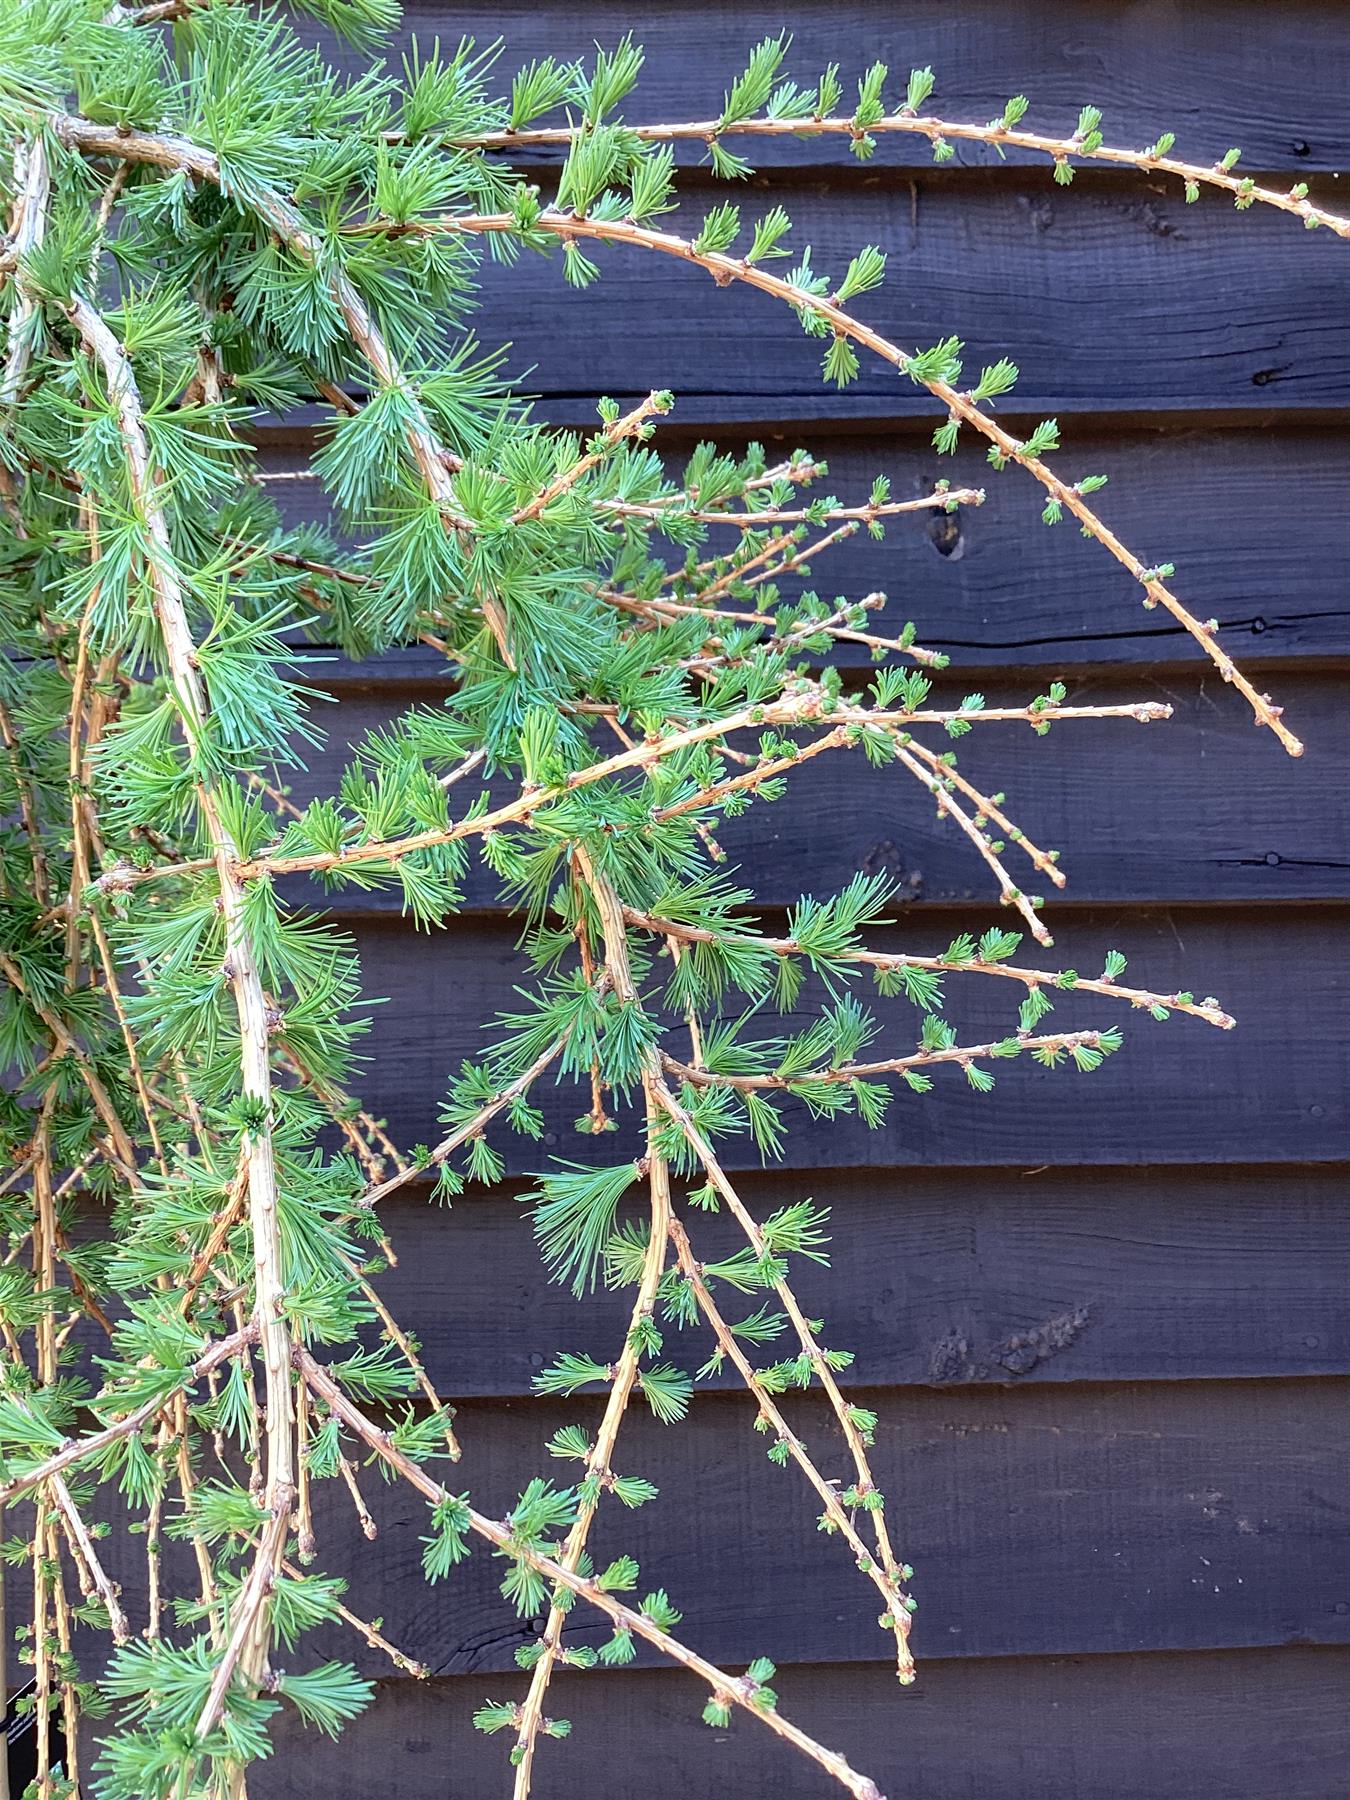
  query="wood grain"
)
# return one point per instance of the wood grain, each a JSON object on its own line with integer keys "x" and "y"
{"x": 1253, "y": 80}
{"x": 1042, "y": 1521}
{"x": 1011, "y": 1277}
{"x": 1234, "y": 1725}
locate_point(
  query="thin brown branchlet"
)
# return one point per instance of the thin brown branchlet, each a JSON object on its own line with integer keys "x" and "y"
{"x": 1061, "y": 150}
{"x": 822, "y": 1371}
{"x": 806, "y": 706}
{"x": 1139, "y": 998}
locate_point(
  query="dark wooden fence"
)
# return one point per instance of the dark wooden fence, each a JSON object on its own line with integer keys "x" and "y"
{"x": 1103, "y": 1322}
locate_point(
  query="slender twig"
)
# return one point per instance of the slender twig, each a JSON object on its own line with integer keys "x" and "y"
{"x": 462, "y": 1133}
{"x": 369, "y": 1529}
{"x": 947, "y": 772}
{"x": 962, "y": 1054}
{"x": 625, "y": 1372}
{"x": 632, "y": 424}
{"x": 69, "y": 1046}
{"x": 1210, "y": 1012}
{"x": 80, "y": 1450}
{"x": 820, "y": 1366}
{"x": 598, "y": 1461}
{"x": 1008, "y": 891}
{"x": 249, "y": 1610}
{"x": 365, "y": 1629}
{"x": 28, "y": 814}
{"x": 107, "y": 1589}
{"x": 947, "y": 499}
{"x": 769, "y": 1411}
{"x": 399, "y": 1337}
{"x": 996, "y": 135}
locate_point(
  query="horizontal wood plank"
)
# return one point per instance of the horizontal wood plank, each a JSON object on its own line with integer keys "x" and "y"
{"x": 1253, "y": 519}
{"x": 1040, "y": 1522}
{"x": 1202, "y": 807}
{"x": 1108, "y": 299}
{"x": 1214, "y": 77}
{"x": 1236, "y": 1725}
{"x": 1272, "y": 1091}
{"x": 941, "y": 1278}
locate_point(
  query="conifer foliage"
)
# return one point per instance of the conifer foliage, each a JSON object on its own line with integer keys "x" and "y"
{"x": 206, "y": 224}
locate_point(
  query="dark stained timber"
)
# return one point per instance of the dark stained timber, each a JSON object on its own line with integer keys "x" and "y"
{"x": 1234, "y": 1725}
{"x": 1042, "y": 1521}
{"x": 1272, "y": 1091}
{"x": 1253, "y": 519}
{"x": 945, "y": 1278}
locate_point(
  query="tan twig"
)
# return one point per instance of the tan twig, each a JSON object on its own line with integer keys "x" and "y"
{"x": 947, "y": 499}
{"x": 79, "y": 1450}
{"x": 374, "y": 1638}
{"x": 248, "y": 1612}
{"x": 69, "y": 1046}
{"x": 632, "y": 424}
{"x": 107, "y": 1589}
{"x": 995, "y": 135}
{"x": 820, "y": 1365}
{"x": 369, "y": 1529}
{"x": 892, "y": 1597}
{"x": 1209, "y": 1011}
{"x": 946, "y": 771}
{"x": 598, "y": 1462}
{"x": 1008, "y": 891}
{"x": 625, "y": 1372}
{"x": 396, "y": 1335}
{"x": 962, "y": 1054}
{"x": 462, "y": 1133}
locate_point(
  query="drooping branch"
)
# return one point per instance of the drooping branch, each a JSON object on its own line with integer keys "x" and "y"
{"x": 474, "y": 1126}
{"x": 1009, "y": 892}
{"x": 242, "y": 971}
{"x": 869, "y": 1495}
{"x": 106, "y": 1589}
{"x": 570, "y": 227}
{"x": 839, "y": 1520}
